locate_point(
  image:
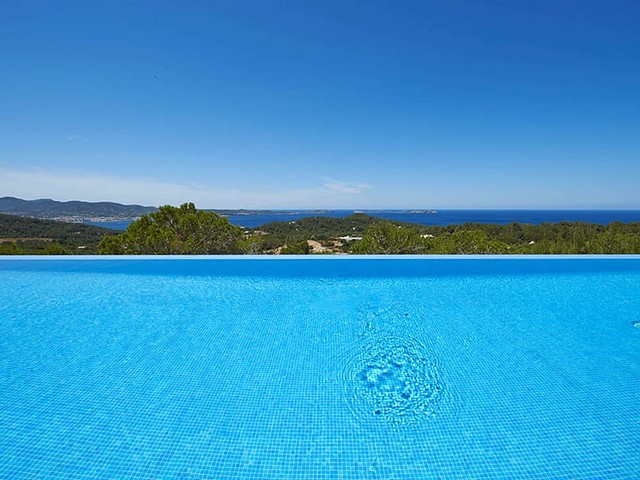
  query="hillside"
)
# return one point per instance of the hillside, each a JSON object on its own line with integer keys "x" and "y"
{"x": 518, "y": 238}
{"x": 73, "y": 210}
{"x": 326, "y": 230}
{"x": 20, "y": 235}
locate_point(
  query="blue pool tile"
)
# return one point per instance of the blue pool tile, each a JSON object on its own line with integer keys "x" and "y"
{"x": 483, "y": 370}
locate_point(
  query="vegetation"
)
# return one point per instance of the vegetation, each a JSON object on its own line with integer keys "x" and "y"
{"x": 387, "y": 237}
{"x": 298, "y": 248}
{"x": 186, "y": 230}
{"x": 45, "y": 208}
{"x": 31, "y": 236}
{"x": 472, "y": 238}
{"x": 177, "y": 230}
{"x": 279, "y": 234}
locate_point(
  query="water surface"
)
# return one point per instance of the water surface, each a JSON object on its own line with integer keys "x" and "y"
{"x": 324, "y": 368}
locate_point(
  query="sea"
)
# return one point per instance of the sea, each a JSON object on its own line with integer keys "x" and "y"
{"x": 431, "y": 217}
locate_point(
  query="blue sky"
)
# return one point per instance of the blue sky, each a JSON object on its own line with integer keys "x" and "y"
{"x": 322, "y": 104}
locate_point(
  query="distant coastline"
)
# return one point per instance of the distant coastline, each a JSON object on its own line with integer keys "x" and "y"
{"x": 256, "y": 218}
{"x": 118, "y": 216}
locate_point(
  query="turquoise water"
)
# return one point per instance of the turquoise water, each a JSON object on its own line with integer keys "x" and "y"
{"x": 320, "y": 368}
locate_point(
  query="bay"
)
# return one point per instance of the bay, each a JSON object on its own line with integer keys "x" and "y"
{"x": 430, "y": 217}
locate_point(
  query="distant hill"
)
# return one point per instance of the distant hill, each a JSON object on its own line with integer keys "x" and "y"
{"x": 74, "y": 211}
{"x": 277, "y": 234}
{"x": 34, "y": 236}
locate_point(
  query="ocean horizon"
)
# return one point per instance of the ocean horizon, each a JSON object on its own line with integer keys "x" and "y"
{"x": 429, "y": 217}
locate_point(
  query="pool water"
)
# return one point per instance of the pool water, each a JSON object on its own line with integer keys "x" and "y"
{"x": 337, "y": 368}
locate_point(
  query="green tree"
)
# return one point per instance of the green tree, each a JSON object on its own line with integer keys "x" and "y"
{"x": 613, "y": 242}
{"x": 251, "y": 245}
{"x": 298, "y": 248}
{"x": 468, "y": 242}
{"x": 10, "y": 248}
{"x": 388, "y": 238}
{"x": 55, "y": 249}
{"x": 176, "y": 230}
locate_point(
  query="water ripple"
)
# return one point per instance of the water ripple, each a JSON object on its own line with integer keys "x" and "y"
{"x": 393, "y": 379}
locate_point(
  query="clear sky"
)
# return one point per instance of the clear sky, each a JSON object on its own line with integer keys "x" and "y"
{"x": 322, "y": 104}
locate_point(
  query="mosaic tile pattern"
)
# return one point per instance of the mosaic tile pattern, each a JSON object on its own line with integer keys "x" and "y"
{"x": 393, "y": 379}
{"x": 173, "y": 375}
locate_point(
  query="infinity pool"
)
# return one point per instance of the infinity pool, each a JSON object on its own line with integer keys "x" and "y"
{"x": 337, "y": 368}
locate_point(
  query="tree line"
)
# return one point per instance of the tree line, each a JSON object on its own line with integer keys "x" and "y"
{"x": 187, "y": 230}
{"x": 562, "y": 238}
{"x": 33, "y": 236}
